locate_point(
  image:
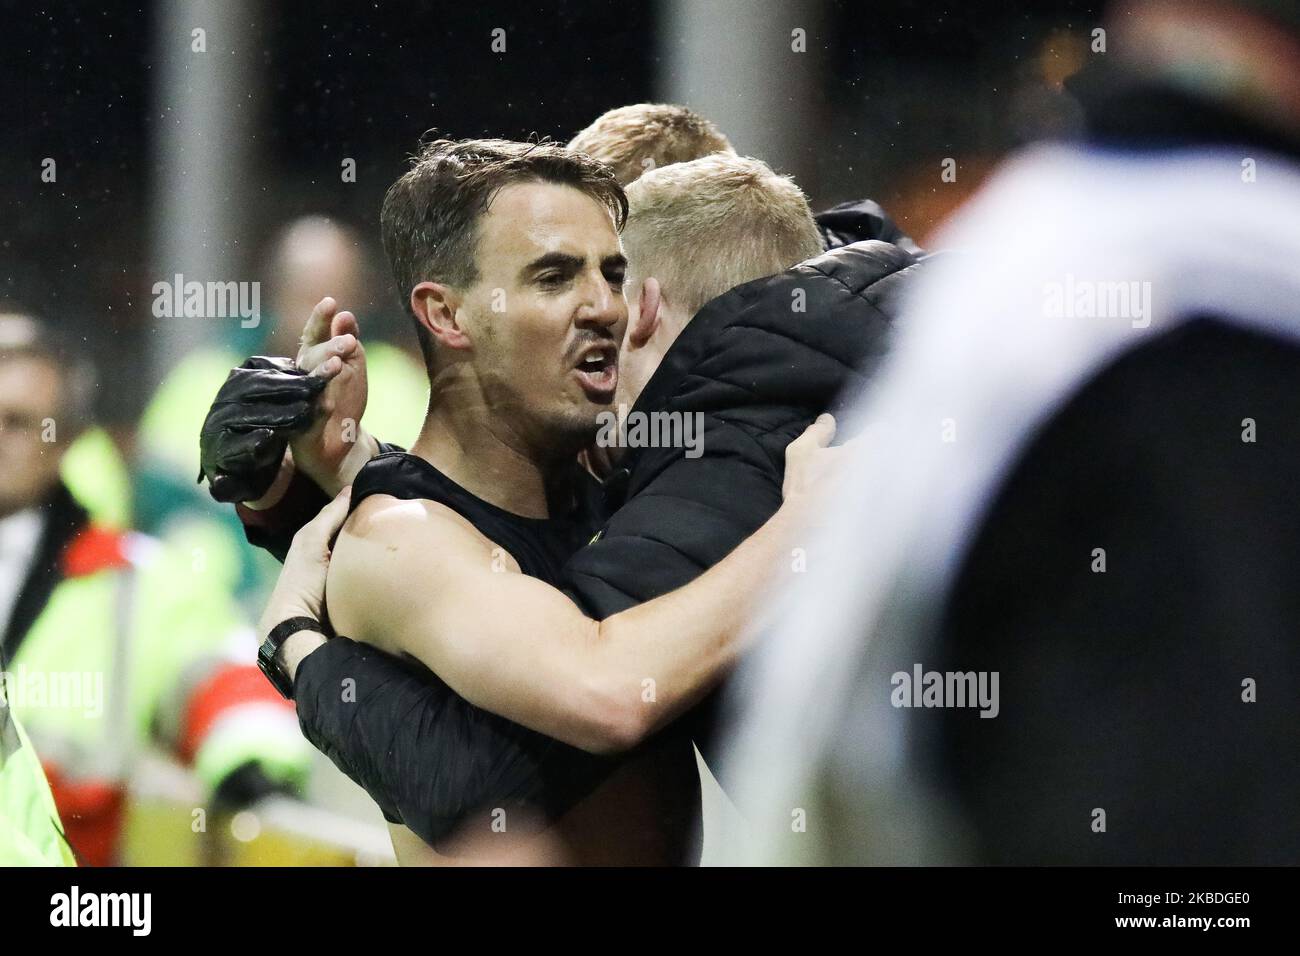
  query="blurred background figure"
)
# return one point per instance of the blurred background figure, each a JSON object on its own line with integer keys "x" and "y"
{"x": 311, "y": 257}
{"x": 315, "y": 257}
{"x": 113, "y": 641}
{"x": 1074, "y": 505}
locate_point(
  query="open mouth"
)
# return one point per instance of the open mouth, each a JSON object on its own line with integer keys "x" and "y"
{"x": 597, "y": 371}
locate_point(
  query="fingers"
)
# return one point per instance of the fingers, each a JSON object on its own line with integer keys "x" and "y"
{"x": 327, "y": 369}
{"x": 345, "y": 323}
{"x": 327, "y": 358}
{"x": 819, "y": 434}
{"x": 321, "y": 531}
{"x": 317, "y": 329}
{"x": 332, "y": 516}
{"x": 808, "y": 458}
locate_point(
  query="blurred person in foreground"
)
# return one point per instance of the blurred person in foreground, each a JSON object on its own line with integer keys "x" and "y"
{"x": 110, "y": 641}
{"x": 1071, "y": 638}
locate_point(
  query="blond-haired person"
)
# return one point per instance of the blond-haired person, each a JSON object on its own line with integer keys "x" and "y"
{"x": 633, "y": 140}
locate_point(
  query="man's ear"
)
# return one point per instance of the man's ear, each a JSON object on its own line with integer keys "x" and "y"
{"x": 435, "y": 306}
{"x": 647, "y": 320}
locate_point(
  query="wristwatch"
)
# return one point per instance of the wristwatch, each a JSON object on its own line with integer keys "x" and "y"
{"x": 266, "y": 654}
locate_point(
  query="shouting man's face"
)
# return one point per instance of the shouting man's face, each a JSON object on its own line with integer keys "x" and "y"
{"x": 547, "y": 314}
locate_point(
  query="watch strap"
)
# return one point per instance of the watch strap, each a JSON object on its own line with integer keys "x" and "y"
{"x": 266, "y": 654}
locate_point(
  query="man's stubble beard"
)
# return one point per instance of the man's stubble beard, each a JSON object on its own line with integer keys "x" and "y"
{"x": 566, "y": 433}
{"x": 553, "y": 436}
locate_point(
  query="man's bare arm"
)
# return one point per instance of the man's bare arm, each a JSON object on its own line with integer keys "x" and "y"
{"x": 413, "y": 577}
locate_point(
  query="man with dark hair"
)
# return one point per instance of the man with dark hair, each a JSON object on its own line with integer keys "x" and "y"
{"x": 429, "y": 215}
{"x": 429, "y": 226}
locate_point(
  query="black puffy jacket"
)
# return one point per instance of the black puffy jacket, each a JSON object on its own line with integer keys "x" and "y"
{"x": 858, "y": 221}
{"x": 758, "y": 364}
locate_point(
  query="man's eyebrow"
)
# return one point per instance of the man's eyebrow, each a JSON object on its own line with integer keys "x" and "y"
{"x": 616, "y": 261}
{"x": 553, "y": 260}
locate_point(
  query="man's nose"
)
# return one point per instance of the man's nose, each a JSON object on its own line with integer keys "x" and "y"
{"x": 604, "y": 307}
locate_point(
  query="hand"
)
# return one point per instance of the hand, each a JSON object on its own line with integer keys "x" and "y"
{"x": 243, "y": 439}
{"x": 334, "y": 448}
{"x": 812, "y": 468}
{"x": 300, "y": 589}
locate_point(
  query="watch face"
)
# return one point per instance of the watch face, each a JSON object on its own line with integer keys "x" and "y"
{"x": 266, "y": 662}
{"x": 266, "y": 651}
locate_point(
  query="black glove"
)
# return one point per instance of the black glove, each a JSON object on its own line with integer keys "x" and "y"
{"x": 242, "y": 443}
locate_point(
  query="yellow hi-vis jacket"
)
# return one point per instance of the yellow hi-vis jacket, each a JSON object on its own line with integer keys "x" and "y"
{"x": 30, "y": 832}
{"x": 136, "y": 647}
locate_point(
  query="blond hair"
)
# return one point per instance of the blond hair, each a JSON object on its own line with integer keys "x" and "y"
{"x": 632, "y": 140}
{"x": 706, "y": 226}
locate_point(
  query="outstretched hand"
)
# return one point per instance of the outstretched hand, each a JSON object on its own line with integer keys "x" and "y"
{"x": 335, "y": 447}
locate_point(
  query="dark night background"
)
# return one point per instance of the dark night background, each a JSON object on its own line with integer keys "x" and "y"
{"x": 902, "y": 85}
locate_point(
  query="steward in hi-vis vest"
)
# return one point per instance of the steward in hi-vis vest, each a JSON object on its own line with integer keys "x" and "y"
{"x": 111, "y": 641}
